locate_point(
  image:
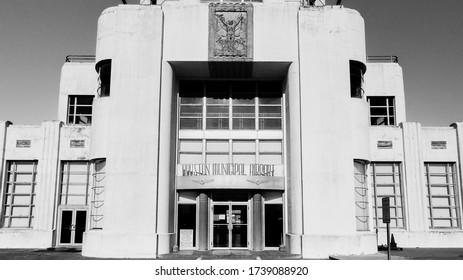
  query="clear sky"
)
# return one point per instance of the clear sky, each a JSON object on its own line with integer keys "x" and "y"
{"x": 427, "y": 36}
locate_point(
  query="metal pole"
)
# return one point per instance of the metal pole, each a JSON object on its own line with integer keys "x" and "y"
{"x": 388, "y": 242}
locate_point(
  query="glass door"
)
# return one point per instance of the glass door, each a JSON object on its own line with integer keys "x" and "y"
{"x": 230, "y": 225}
{"x": 73, "y": 224}
{"x": 239, "y": 226}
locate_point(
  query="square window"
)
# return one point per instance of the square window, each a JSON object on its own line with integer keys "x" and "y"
{"x": 382, "y": 110}
{"x": 80, "y": 109}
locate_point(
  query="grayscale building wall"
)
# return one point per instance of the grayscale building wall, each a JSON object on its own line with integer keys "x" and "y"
{"x": 202, "y": 125}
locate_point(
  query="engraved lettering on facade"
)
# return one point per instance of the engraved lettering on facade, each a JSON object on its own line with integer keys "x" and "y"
{"x": 438, "y": 145}
{"x": 77, "y": 144}
{"x": 23, "y": 143}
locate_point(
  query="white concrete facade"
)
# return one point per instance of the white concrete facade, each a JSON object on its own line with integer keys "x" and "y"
{"x": 132, "y": 143}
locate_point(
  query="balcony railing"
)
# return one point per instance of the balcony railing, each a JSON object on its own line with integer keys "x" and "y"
{"x": 80, "y": 58}
{"x": 370, "y": 58}
{"x": 383, "y": 58}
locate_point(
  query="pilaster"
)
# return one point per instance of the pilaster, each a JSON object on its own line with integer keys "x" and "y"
{"x": 47, "y": 170}
{"x": 3, "y": 131}
{"x": 257, "y": 224}
{"x": 203, "y": 225}
{"x": 413, "y": 176}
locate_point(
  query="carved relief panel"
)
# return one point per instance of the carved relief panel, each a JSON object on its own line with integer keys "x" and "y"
{"x": 230, "y": 32}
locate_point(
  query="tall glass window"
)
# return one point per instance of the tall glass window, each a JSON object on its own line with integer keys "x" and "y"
{"x": 442, "y": 195}
{"x": 230, "y": 105}
{"x": 244, "y": 151}
{"x": 386, "y": 182}
{"x": 270, "y": 151}
{"x": 75, "y": 180}
{"x": 230, "y": 151}
{"x": 19, "y": 194}
{"x": 217, "y": 151}
{"x": 191, "y": 151}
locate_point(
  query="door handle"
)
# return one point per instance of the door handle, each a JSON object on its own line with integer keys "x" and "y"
{"x": 72, "y": 227}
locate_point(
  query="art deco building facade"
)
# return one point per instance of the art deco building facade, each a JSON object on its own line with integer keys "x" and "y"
{"x": 226, "y": 125}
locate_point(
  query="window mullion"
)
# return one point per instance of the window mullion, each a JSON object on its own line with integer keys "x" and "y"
{"x": 431, "y": 216}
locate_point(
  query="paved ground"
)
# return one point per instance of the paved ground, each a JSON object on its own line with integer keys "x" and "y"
{"x": 406, "y": 254}
{"x": 230, "y": 254}
{"x": 411, "y": 254}
{"x": 73, "y": 254}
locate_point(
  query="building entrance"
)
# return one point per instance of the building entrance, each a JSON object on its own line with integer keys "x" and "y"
{"x": 230, "y": 225}
{"x": 72, "y": 226}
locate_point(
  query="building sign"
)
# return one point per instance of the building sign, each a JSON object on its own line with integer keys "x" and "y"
{"x": 384, "y": 144}
{"x": 230, "y": 31}
{"x": 386, "y": 209}
{"x": 77, "y": 143}
{"x": 240, "y": 169}
{"x": 186, "y": 238}
{"x": 439, "y": 145}
{"x": 23, "y": 143}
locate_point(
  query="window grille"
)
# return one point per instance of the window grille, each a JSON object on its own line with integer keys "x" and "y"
{"x": 75, "y": 177}
{"x": 386, "y": 182}
{"x": 19, "y": 194}
{"x": 442, "y": 195}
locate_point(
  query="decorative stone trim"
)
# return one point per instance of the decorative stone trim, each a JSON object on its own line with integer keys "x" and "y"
{"x": 23, "y": 143}
{"x": 77, "y": 143}
{"x": 384, "y": 145}
{"x": 439, "y": 145}
{"x": 230, "y": 31}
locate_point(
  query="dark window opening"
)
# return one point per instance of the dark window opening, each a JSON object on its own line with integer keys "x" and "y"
{"x": 357, "y": 70}
{"x": 273, "y": 225}
{"x": 382, "y": 110}
{"x": 104, "y": 71}
{"x": 186, "y": 225}
{"x": 80, "y": 109}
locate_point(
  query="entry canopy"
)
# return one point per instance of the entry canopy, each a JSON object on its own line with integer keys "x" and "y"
{"x": 230, "y": 70}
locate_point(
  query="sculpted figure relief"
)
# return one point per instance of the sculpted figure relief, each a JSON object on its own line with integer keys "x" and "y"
{"x": 231, "y": 35}
{"x": 230, "y": 31}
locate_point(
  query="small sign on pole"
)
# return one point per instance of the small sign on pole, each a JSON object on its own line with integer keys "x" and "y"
{"x": 386, "y": 210}
{"x": 386, "y": 207}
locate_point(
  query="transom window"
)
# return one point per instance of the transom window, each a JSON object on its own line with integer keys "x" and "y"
{"x": 75, "y": 177}
{"x": 230, "y": 151}
{"x": 386, "y": 182}
{"x": 80, "y": 109}
{"x": 19, "y": 194}
{"x": 235, "y": 105}
{"x": 382, "y": 111}
{"x": 442, "y": 195}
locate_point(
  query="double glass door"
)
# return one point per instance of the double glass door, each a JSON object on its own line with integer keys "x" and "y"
{"x": 230, "y": 225}
{"x": 72, "y": 226}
